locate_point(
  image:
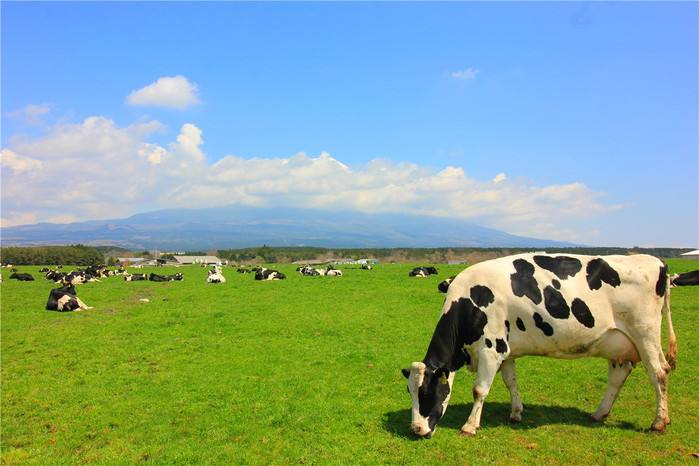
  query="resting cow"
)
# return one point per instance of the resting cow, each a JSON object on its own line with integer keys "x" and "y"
{"x": 215, "y": 276}
{"x": 685, "y": 279}
{"x": 22, "y": 277}
{"x": 269, "y": 274}
{"x": 564, "y": 306}
{"x": 154, "y": 277}
{"x": 65, "y": 299}
{"x": 135, "y": 277}
{"x": 422, "y": 272}
{"x": 444, "y": 285}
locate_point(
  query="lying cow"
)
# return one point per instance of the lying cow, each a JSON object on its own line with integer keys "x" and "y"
{"x": 334, "y": 273}
{"x": 444, "y": 285}
{"x": 422, "y": 272}
{"x": 154, "y": 277}
{"x": 22, "y": 277}
{"x": 269, "y": 274}
{"x": 65, "y": 299}
{"x": 685, "y": 279}
{"x": 565, "y": 306}
{"x": 135, "y": 277}
{"x": 215, "y": 276}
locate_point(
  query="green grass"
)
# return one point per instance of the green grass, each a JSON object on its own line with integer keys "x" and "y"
{"x": 304, "y": 370}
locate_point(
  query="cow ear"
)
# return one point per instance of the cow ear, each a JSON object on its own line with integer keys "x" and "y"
{"x": 405, "y": 372}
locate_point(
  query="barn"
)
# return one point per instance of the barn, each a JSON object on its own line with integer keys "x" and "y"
{"x": 190, "y": 260}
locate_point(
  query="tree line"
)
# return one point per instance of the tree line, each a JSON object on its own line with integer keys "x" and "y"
{"x": 76, "y": 254}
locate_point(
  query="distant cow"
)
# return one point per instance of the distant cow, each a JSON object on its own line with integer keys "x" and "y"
{"x": 366, "y": 267}
{"x": 444, "y": 285}
{"x": 23, "y": 277}
{"x": 563, "y": 306}
{"x": 154, "y": 277}
{"x": 269, "y": 274}
{"x": 685, "y": 279}
{"x": 422, "y": 272}
{"x": 334, "y": 273}
{"x": 135, "y": 277}
{"x": 65, "y": 299}
{"x": 215, "y": 276}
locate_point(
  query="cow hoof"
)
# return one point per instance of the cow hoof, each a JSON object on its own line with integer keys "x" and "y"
{"x": 516, "y": 418}
{"x": 467, "y": 432}
{"x": 658, "y": 427}
{"x": 598, "y": 417}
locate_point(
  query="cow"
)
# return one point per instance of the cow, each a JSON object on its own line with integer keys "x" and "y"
{"x": 215, "y": 276}
{"x": 154, "y": 277}
{"x": 334, "y": 273}
{"x": 65, "y": 299}
{"x": 422, "y": 272}
{"x": 75, "y": 278}
{"x": 135, "y": 277}
{"x": 22, "y": 277}
{"x": 564, "y": 306}
{"x": 366, "y": 267}
{"x": 685, "y": 279}
{"x": 269, "y": 274}
{"x": 444, "y": 285}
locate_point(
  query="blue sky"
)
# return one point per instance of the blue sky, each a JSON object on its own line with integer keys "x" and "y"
{"x": 585, "y": 113}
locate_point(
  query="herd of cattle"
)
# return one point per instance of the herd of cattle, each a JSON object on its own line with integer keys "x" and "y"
{"x": 563, "y": 306}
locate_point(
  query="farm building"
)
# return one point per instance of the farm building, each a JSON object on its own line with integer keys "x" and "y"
{"x": 690, "y": 255}
{"x": 189, "y": 260}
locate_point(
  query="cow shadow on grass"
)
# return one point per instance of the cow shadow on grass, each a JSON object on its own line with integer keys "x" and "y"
{"x": 497, "y": 414}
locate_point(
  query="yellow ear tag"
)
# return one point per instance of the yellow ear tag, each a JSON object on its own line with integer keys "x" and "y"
{"x": 444, "y": 379}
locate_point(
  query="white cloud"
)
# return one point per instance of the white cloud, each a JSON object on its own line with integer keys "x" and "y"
{"x": 169, "y": 91}
{"x": 96, "y": 169}
{"x": 465, "y": 74}
{"x": 31, "y": 114}
{"x": 499, "y": 178}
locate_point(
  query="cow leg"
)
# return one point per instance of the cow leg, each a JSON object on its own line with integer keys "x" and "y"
{"x": 487, "y": 368}
{"x": 510, "y": 379}
{"x": 617, "y": 375}
{"x": 658, "y": 370}
{"x": 82, "y": 304}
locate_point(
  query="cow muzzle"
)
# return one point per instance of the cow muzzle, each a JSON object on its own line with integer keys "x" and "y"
{"x": 421, "y": 431}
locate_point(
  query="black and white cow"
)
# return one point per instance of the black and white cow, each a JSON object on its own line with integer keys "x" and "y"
{"x": 444, "y": 284}
{"x": 22, "y": 277}
{"x": 216, "y": 276}
{"x": 154, "y": 277}
{"x": 65, "y": 299}
{"x": 685, "y": 279}
{"x": 422, "y": 272}
{"x": 564, "y": 306}
{"x": 269, "y": 274}
{"x": 135, "y": 277}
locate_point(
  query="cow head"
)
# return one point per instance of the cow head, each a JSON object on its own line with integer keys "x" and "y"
{"x": 430, "y": 391}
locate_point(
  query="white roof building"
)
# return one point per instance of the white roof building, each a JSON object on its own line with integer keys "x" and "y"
{"x": 187, "y": 260}
{"x": 690, "y": 255}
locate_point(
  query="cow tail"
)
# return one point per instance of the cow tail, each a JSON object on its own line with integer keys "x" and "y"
{"x": 671, "y": 355}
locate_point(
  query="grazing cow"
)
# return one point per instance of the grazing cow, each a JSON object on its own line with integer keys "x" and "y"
{"x": 65, "y": 299}
{"x": 22, "y": 277}
{"x": 564, "y": 306}
{"x": 422, "y": 272}
{"x": 269, "y": 274}
{"x": 444, "y": 285}
{"x": 215, "y": 276}
{"x": 135, "y": 277}
{"x": 154, "y": 277}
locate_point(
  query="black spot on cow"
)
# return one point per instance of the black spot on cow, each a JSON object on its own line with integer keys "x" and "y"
{"x": 599, "y": 271}
{"x": 582, "y": 313}
{"x": 461, "y": 325}
{"x": 507, "y": 326}
{"x": 488, "y": 343}
{"x": 520, "y": 324}
{"x": 542, "y": 325}
{"x": 555, "y": 303}
{"x": 556, "y": 284}
{"x": 562, "y": 266}
{"x": 661, "y": 284}
{"x": 482, "y": 296}
{"x": 500, "y": 346}
{"x": 523, "y": 281}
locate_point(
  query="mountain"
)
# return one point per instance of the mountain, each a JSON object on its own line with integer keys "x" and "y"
{"x": 235, "y": 227}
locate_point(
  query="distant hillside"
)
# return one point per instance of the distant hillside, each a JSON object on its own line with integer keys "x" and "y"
{"x": 238, "y": 227}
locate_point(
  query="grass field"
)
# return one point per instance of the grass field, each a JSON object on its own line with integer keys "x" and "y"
{"x": 305, "y": 370}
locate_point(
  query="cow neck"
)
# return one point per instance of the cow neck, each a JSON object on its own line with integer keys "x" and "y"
{"x": 444, "y": 343}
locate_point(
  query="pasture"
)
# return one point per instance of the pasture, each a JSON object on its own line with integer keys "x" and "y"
{"x": 304, "y": 370}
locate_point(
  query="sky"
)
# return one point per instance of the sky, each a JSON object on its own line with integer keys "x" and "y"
{"x": 567, "y": 121}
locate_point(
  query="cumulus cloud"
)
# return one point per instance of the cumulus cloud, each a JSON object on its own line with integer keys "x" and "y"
{"x": 465, "y": 74}
{"x": 169, "y": 91}
{"x": 96, "y": 169}
{"x": 31, "y": 114}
